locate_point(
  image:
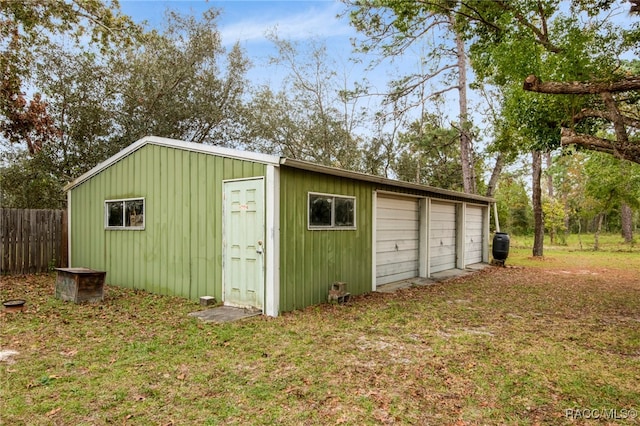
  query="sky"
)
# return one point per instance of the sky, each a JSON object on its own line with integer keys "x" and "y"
{"x": 249, "y": 21}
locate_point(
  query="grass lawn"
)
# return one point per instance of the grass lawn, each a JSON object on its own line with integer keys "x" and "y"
{"x": 515, "y": 345}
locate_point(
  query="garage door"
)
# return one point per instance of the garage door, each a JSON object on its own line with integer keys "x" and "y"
{"x": 442, "y": 237}
{"x": 397, "y": 238}
{"x": 473, "y": 234}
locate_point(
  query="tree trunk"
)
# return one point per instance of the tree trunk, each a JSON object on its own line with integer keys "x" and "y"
{"x": 466, "y": 151}
{"x": 580, "y": 232}
{"x": 495, "y": 174}
{"x": 538, "y": 239}
{"x": 550, "y": 193}
{"x": 596, "y": 240}
{"x": 567, "y": 223}
{"x": 549, "y": 160}
{"x": 626, "y": 218}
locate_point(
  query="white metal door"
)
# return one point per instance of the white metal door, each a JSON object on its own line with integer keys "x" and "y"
{"x": 397, "y": 239}
{"x": 243, "y": 243}
{"x": 474, "y": 218}
{"x": 442, "y": 236}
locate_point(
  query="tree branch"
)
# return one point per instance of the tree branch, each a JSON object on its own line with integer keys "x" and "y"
{"x": 570, "y": 137}
{"x": 477, "y": 17}
{"x": 541, "y": 35}
{"x": 587, "y": 113}
{"x": 533, "y": 84}
{"x": 628, "y": 151}
{"x": 409, "y": 83}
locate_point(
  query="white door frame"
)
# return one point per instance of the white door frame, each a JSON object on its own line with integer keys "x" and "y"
{"x": 225, "y": 247}
{"x": 271, "y": 256}
{"x": 272, "y": 242}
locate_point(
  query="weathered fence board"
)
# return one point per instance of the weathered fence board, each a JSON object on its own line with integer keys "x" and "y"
{"x": 32, "y": 240}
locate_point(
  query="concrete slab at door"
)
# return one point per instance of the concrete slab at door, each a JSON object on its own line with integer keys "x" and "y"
{"x": 243, "y": 227}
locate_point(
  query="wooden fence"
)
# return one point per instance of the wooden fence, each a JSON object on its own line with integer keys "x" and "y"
{"x": 32, "y": 240}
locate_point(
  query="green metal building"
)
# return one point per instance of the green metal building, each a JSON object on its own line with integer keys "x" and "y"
{"x": 259, "y": 231}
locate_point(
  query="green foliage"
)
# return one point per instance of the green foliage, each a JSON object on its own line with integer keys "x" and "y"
{"x": 534, "y": 119}
{"x": 284, "y": 124}
{"x": 554, "y": 216}
{"x": 612, "y": 181}
{"x": 82, "y": 95}
{"x": 100, "y": 20}
{"x": 507, "y": 42}
{"x": 514, "y": 209}
{"x": 556, "y": 42}
{"x": 30, "y": 182}
{"x": 513, "y": 39}
{"x": 567, "y": 175}
{"x": 177, "y": 83}
{"x": 430, "y": 155}
{"x": 588, "y": 184}
{"x": 28, "y": 26}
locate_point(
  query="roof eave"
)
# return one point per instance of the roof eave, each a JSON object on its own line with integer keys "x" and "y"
{"x": 334, "y": 171}
{"x": 178, "y": 144}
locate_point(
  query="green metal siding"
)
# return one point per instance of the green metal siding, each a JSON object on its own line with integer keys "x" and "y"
{"x": 180, "y": 250}
{"x": 310, "y": 261}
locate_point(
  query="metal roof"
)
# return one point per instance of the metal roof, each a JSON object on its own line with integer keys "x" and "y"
{"x": 334, "y": 171}
{"x": 271, "y": 160}
{"x": 177, "y": 144}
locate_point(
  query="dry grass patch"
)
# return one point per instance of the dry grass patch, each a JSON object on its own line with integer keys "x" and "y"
{"x": 508, "y": 345}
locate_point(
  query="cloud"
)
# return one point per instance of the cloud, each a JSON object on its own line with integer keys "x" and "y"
{"x": 312, "y": 22}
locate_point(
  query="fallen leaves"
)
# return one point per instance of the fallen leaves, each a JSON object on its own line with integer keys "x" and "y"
{"x": 53, "y": 412}
{"x": 69, "y": 353}
{"x": 466, "y": 351}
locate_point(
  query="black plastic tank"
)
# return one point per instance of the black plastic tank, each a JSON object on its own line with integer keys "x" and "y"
{"x": 500, "y": 248}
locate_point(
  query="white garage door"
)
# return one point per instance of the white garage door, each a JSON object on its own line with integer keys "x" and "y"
{"x": 473, "y": 231}
{"x": 442, "y": 237}
{"x": 397, "y": 239}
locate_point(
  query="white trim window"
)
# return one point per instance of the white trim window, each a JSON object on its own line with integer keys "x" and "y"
{"x": 328, "y": 211}
{"x": 127, "y": 213}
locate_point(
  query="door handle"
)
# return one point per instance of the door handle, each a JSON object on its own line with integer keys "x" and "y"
{"x": 259, "y": 249}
